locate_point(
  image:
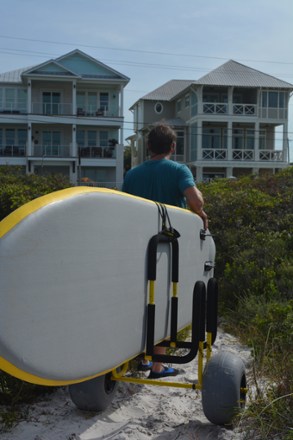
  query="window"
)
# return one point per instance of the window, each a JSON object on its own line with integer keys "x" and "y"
{"x": 92, "y": 138}
{"x": 211, "y": 138}
{"x": 104, "y": 101}
{"x": 273, "y": 99}
{"x": 178, "y": 106}
{"x": 51, "y": 143}
{"x": 249, "y": 144}
{"x": 180, "y": 143}
{"x": 10, "y": 96}
{"x": 187, "y": 100}
{"x": 104, "y": 139}
{"x": 22, "y": 100}
{"x": 158, "y": 107}
{"x": 51, "y": 103}
{"x": 10, "y": 136}
{"x": 282, "y": 100}
{"x": 80, "y": 100}
{"x": 237, "y": 139}
{"x": 262, "y": 139}
{"x": 193, "y": 104}
{"x": 22, "y": 136}
{"x": 92, "y": 103}
{"x": 210, "y": 97}
{"x": 80, "y": 138}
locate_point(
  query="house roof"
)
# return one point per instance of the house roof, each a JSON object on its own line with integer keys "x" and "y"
{"x": 14, "y": 76}
{"x": 230, "y": 73}
{"x": 169, "y": 90}
{"x": 73, "y": 64}
{"x": 235, "y": 74}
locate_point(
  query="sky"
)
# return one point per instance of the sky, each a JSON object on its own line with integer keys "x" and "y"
{"x": 152, "y": 41}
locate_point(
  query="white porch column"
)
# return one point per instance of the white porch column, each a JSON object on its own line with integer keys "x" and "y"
{"x": 29, "y": 149}
{"x": 286, "y": 155}
{"x": 230, "y": 101}
{"x": 121, "y": 111}
{"x": 119, "y": 165}
{"x": 29, "y": 140}
{"x": 29, "y": 97}
{"x": 74, "y": 167}
{"x": 256, "y": 141}
{"x": 199, "y": 139}
{"x": 199, "y": 176}
{"x": 199, "y": 101}
{"x": 229, "y": 172}
{"x": 74, "y": 109}
{"x": 229, "y": 139}
{"x": 74, "y": 152}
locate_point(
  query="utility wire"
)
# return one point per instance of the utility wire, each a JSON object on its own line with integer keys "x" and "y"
{"x": 150, "y": 52}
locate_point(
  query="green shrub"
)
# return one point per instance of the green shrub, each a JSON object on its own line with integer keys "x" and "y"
{"x": 17, "y": 189}
{"x": 252, "y": 221}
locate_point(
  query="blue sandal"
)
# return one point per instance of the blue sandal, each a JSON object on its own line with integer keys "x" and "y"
{"x": 167, "y": 371}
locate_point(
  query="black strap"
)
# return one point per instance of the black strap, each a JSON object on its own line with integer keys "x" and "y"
{"x": 169, "y": 231}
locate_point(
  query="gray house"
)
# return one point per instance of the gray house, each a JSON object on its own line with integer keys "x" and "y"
{"x": 230, "y": 122}
{"x": 64, "y": 116}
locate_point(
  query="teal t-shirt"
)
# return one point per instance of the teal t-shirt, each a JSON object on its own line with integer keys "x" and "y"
{"x": 162, "y": 180}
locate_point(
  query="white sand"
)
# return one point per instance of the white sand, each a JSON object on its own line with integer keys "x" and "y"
{"x": 137, "y": 412}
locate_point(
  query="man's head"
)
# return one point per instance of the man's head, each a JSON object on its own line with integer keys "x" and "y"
{"x": 161, "y": 139}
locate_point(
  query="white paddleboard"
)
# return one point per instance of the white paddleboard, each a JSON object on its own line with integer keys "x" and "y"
{"x": 73, "y": 282}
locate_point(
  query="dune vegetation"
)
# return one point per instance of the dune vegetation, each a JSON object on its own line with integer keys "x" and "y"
{"x": 251, "y": 219}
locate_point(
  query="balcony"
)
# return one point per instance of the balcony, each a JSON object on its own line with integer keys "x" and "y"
{"x": 98, "y": 152}
{"x": 52, "y": 109}
{"x": 14, "y": 108}
{"x": 215, "y": 108}
{"x": 12, "y": 151}
{"x": 243, "y": 154}
{"x": 271, "y": 155}
{"x": 93, "y": 111}
{"x": 220, "y": 108}
{"x": 51, "y": 151}
{"x": 214, "y": 154}
{"x": 244, "y": 109}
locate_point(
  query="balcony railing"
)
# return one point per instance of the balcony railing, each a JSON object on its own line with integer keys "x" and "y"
{"x": 214, "y": 154}
{"x": 12, "y": 151}
{"x": 244, "y": 109}
{"x": 220, "y": 108}
{"x": 14, "y": 108}
{"x": 97, "y": 152}
{"x": 51, "y": 151}
{"x": 243, "y": 154}
{"x": 55, "y": 109}
{"x": 51, "y": 109}
{"x": 271, "y": 155}
{"x": 215, "y": 108}
{"x": 94, "y": 111}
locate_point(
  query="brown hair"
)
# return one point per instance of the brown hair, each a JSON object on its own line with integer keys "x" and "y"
{"x": 160, "y": 138}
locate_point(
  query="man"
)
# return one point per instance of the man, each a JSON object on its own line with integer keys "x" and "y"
{"x": 165, "y": 181}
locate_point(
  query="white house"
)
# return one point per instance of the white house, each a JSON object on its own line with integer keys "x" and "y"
{"x": 64, "y": 116}
{"x": 230, "y": 122}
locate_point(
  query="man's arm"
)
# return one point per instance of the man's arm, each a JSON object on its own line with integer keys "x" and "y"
{"x": 195, "y": 202}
